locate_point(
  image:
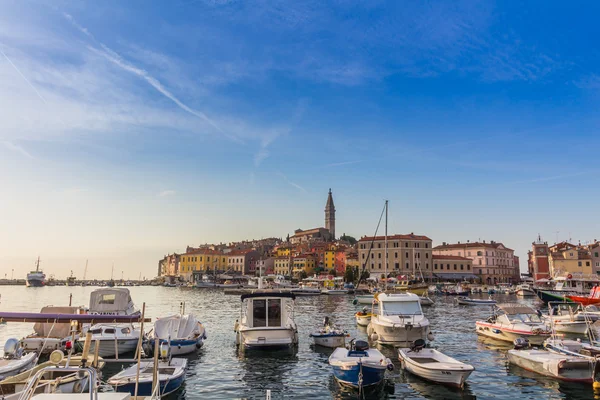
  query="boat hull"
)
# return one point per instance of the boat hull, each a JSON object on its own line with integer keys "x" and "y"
{"x": 509, "y": 335}
{"x": 586, "y": 301}
{"x": 181, "y": 346}
{"x": 450, "y": 375}
{"x": 349, "y": 376}
{"x": 107, "y": 347}
{"x": 35, "y": 283}
{"x": 268, "y": 338}
{"x": 145, "y": 388}
{"x": 572, "y": 369}
{"x": 547, "y": 296}
{"x": 14, "y": 367}
{"x": 396, "y": 335}
{"x": 365, "y": 299}
{"x": 363, "y": 320}
{"x": 578, "y": 327}
{"x": 525, "y": 293}
{"x": 331, "y": 341}
{"x": 474, "y": 302}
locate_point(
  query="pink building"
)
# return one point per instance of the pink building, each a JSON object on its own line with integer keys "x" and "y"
{"x": 492, "y": 262}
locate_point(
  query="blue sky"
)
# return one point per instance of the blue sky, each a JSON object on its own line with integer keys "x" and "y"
{"x": 132, "y": 129}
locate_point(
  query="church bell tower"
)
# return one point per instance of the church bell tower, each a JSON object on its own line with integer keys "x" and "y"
{"x": 330, "y": 215}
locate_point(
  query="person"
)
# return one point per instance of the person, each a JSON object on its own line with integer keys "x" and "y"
{"x": 363, "y": 312}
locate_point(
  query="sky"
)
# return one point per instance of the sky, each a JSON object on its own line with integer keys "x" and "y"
{"x": 129, "y": 130}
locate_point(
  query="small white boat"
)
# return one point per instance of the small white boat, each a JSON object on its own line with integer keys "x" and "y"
{"x": 363, "y": 318}
{"x": 113, "y": 339}
{"x": 568, "y": 318}
{"x": 334, "y": 291}
{"x": 426, "y": 301}
{"x": 571, "y": 347}
{"x": 525, "y": 290}
{"x": 306, "y": 291}
{"x": 14, "y": 360}
{"x": 183, "y": 333}
{"x": 467, "y": 301}
{"x": 47, "y": 337}
{"x": 511, "y": 321}
{"x": 329, "y": 335}
{"x": 364, "y": 298}
{"x": 434, "y": 366}
{"x": 359, "y": 366}
{"x": 558, "y": 366}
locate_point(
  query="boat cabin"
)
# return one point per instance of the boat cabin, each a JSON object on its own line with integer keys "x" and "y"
{"x": 514, "y": 313}
{"x": 112, "y": 301}
{"x": 267, "y": 310}
{"x": 110, "y": 331}
{"x": 399, "y": 304}
{"x": 575, "y": 284}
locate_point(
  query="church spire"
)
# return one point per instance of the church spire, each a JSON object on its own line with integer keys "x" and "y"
{"x": 330, "y": 215}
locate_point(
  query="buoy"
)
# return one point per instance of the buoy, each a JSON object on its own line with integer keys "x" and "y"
{"x": 355, "y": 301}
{"x": 430, "y": 336}
{"x": 374, "y": 337}
{"x": 596, "y": 385}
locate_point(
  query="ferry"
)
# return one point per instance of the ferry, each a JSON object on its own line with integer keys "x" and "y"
{"x": 36, "y": 278}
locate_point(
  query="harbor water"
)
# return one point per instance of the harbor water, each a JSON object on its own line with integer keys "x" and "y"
{"x": 221, "y": 371}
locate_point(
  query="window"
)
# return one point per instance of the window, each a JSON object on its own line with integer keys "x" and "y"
{"x": 259, "y": 313}
{"x": 379, "y": 255}
{"x": 397, "y": 265}
{"x": 426, "y": 255}
{"x": 363, "y": 256}
{"x": 448, "y": 266}
{"x": 596, "y": 254}
{"x": 379, "y": 265}
{"x": 579, "y": 263}
{"x": 372, "y": 255}
{"x": 434, "y": 266}
{"x": 406, "y": 244}
{"x": 379, "y": 245}
{"x": 407, "y": 266}
{"x": 427, "y": 266}
{"x": 479, "y": 253}
{"x": 468, "y": 267}
{"x": 455, "y": 267}
{"x": 109, "y": 331}
{"x": 396, "y": 255}
{"x": 407, "y": 254}
{"x": 418, "y": 255}
{"x": 274, "y": 312}
{"x": 587, "y": 263}
{"x": 426, "y": 245}
{"x": 480, "y": 271}
{"x": 462, "y": 267}
{"x": 107, "y": 299}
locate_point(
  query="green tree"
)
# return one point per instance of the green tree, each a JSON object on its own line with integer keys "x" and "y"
{"x": 303, "y": 275}
{"x": 349, "y": 239}
{"x": 332, "y": 272}
{"x": 349, "y": 275}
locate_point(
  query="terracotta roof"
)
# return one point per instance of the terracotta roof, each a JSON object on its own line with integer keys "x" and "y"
{"x": 394, "y": 237}
{"x": 203, "y": 251}
{"x": 240, "y": 252}
{"x": 494, "y": 245}
{"x": 308, "y": 232}
{"x": 444, "y": 257}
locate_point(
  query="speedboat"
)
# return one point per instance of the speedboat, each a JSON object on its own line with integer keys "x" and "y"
{"x": 113, "y": 339}
{"x": 566, "y": 318}
{"x": 329, "y": 335}
{"x": 359, "y": 366}
{"x": 425, "y": 301}
{"x": 433, "y": 365}
{"x": 513, "y": 320}
{"x": 334, "y": 291}
{"x": 363, "y": 317}
{"x": 574, "y": 348}
{"x": 525, "y": 290}
{"x": 467, "y": 301}
{"x": 266, "y": 321}
{"x": 170, "y": 373}
{"x": 183, "y": 333}
{"x": 592, "y": 298}
{"x": 14, "y": 360}
{"x": 399, "y": 320}
{"x": 364, "y": 298}
{"x": 47, "y": 337}
{"x": 306, "y": 291}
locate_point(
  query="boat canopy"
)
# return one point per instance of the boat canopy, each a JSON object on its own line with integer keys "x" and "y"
{"x": 515, "y": 308}
{"x": 268, "y": 294}
{"x": 175, "y": 326}
{"x": 109, "y": 300}
{"x": 59, "y": 329}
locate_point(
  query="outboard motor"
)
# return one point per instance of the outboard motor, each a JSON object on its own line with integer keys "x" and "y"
{"x": 418, "y": 345}
{"x": 521, "y": 343}
{"x": 12, "y": 349}
{"x": 361, "y": 345}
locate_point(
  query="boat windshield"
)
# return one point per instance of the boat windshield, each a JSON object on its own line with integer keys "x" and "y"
{"x": 592, "y": 309}
{"x": 525, "y": 318}
{"x": 401, "y": 308}
{"x": 266, "y": 316}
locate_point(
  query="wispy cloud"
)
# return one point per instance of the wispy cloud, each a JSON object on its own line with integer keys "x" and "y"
{"x": 166, "y": 193}
{"x": 339, "y": 164}
{"x": 285, "y": 178}
{"x": 17, "y": 149}
{"x": 542, "y": 179}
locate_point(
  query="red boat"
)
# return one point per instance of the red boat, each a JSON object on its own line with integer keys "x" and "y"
{"x": 593, "y": 298}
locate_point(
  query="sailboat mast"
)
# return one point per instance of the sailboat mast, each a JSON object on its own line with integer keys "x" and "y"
{"x": 385, "y": 256}
{"x": 37, "y": 265}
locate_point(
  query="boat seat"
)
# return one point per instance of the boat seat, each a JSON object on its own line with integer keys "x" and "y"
{"x": 358, "y": 353}
{"x": 424, "y": 360}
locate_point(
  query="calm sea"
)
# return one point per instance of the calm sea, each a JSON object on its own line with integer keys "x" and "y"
{"x": 219, "y": 371}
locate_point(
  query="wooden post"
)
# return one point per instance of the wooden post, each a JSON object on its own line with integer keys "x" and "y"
{"x": 96, "y": 353}
{"x": 155, "y": 369}
{"x": 139, "y": 352}
{"x": 86, "y": 346}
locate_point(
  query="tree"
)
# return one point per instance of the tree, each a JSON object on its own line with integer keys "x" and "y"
{"x": 303, "y": 274}
{"x": 349, "y": 275}
{"x": 348, "y": 239}
{"x": 332, "y": 272}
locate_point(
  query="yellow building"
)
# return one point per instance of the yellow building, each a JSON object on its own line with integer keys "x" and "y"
{"x": 303, "y": 262}
{"x": 201, "y": 260}
{"x": 282, "y": 266}
{"x": 565, "y": 258}
{"x": 283, "y": 251}
{"x": 329, "y": 259}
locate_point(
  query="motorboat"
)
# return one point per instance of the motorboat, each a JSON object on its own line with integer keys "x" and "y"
{"x": 15, "y": 360}
{"x": 36, "y": 278}
{"x": 47, "y": 337}
{"x": 426, "y": 301}
{"x": 566, "y": 318}
{"x": 513, "y": 320}
{"x": 359, "y": 366}
{"x": 364, "y": 298}
{"x": 591, "y": 299}
{"x": 399, "y": 320}
{"x": 329, "y": 335}
{"x": 570, "y": 347}
{"x": 170, "y": 374}
{"x": 306, "y": 291}
{"x": 467, "y": 301}
{"x": 281, "y": 282}
{"x": 455, "y": 290}
{"x": 266, "y": 321}
{"x": 113, "y": 339}
{"x": 418, "y": 288}
{"x": 525, "y": 290}
{"x": 433, "y": 365}
{"x": 363, "y": 317}
{"x": 182, "y": 332}
{"x": 333, "y": 292}
{"x": 112, "y": 301}
{"x": 201, "y": 284}
{"x": 558, "y": 366}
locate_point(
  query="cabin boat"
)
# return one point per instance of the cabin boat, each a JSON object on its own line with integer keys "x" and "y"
{"x": 47, "y": 337}
{"x": 525, "y": 290}
{"x": 592, "y": 298}
{"x": 434, "y": 366}
{"x": 425, "y": 301}
{"x": 329, "y": 335}
{"x": 183, "y": 333}
{"x": 112, "y": 301}
{"x": 114, "y": 339}
{"x": 281, "y": 282}
{"x": 399, "y": 320}
{"x": 364, "y": 298}
{"x": 567, "y": 318}
{"x": 467, "y": 301}
{"x": 574, "y": 348}
{"x": 513, "y": 320}
{"x": 418, "y": 288}
{"x": 15, "y": 360}
{"x": 359, "y": 366}
{"x": 558, "y": 366}
{"x": 266, "y": 321}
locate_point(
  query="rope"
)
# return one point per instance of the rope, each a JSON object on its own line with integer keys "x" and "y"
{"x": 370, "y": 247}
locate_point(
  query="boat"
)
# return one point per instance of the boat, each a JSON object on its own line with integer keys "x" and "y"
{"x": 170, "y": 373}
{"x": 112, "y": 301}
{"x": 50, "y": 336}
{"x": 364, "y": 298}
{"x": 113, "y": 339}
{"x": 567, "y": 318}
{"x": 266, "y": 321}
{"x": 333, "y": 292}
{"x": 329, "y": 335}
{"x": 71, "y": 280}
{"x": 570, "y": 347}
{"x": 399, "y": 320}
{"x": 36, "y": 278}
{"x": 418, "y": 288}
{"x": 363, "y": 318}
{"x": 547, "y": 296}
{"x": 425, "y": 301}
{"x": 525, "y": 290}
{"x": 591, "y": 299}
{"x": 306, "y": 291}
{"x": 182, "y": 332}
{"x": 15, "y": 360}
{"x": 455, "y": 290}
{"x": 558, "y": 366}
{"x": 510, "y": 321}
{"x": 359, "y": 366}
{"x": 433, "y": 365}
{"x": 467, "y": 301}
{"x": 281, "y": 282}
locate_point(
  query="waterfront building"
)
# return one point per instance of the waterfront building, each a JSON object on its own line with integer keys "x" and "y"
{"x": 203, "y": 260}
{"x": 352, "y": 259}
{"x": 595, "y": 253}
{"x": 492, "y": 261}
{"x": 329, "y": 259}
{"x": 238, "y": 261}
{"x": 449, "y": 267}
{"x": 407, "y": 255}
{"x": 303, "y": 262}
{"x": 282, "y": 266}
{"x": 340, "y": 261}
{"x": 538, "y": 265}
{"x": 566, "y": 258}
{"x": 168, "y": 266}
{"x": 266, "y": 265}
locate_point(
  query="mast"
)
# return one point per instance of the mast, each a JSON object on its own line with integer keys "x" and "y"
{"x": 112, "y": 271}
{"x": 385, "y": 255}
{"x": 85, "y": 270}
{"x": 37, "y": 265}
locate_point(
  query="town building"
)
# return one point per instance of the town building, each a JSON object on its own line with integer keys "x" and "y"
{"x": 168, "y": 266}
{"x": 326, "y": 234}
{"x": 282, "y": 266}
{"x": 264, "y": 266}
{"x": 239, "y": 261}
{"x": 202, "y": 260}
{"x": 449, "y": 267}
{"x": 492, "y": 261}
{"x": 407, "y": 255}
{"x": 303, "y": 263}
{"x": 568, "y": 259}
{"x": 538, "y": 265}
{"x": 594, "y": 249}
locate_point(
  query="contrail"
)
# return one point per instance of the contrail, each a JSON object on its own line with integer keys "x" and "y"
{"x": 23, "y": 76}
